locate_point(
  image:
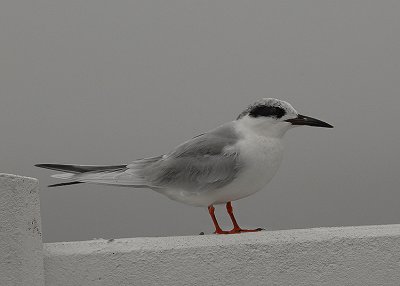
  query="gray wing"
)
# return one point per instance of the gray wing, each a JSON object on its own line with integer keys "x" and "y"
{"x": 205, "y": 162}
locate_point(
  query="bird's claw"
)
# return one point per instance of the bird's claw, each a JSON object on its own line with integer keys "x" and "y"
{"x": 237, "y": 230}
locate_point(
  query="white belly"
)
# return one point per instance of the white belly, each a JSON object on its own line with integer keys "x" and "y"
{"x": 260, "y": 158}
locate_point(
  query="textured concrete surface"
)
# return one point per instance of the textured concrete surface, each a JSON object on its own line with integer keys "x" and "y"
{"x": 21, "y": 256}
{"x": 367, "y": 255}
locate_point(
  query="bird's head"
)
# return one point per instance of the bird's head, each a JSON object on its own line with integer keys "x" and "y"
{"x": 273, "y": 117}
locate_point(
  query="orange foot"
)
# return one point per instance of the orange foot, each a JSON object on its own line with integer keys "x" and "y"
{"x": 236, "y": 230}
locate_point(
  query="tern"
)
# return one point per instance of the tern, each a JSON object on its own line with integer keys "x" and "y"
{"x": 228, "y": 163}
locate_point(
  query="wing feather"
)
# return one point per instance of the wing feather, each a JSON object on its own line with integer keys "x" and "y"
{"x": 205, "y": 162}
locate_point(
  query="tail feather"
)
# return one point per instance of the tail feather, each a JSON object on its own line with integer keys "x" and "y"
{"x": 118, "y": 175}
{"x": 75, "y": 171}
{"x": 64, "y": 176}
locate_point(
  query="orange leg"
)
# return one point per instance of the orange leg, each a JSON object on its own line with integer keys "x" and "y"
{"x": 218, "y": 229}
{"x": 236, "y": 228}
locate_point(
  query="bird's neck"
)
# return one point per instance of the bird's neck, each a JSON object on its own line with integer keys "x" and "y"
{"x": 261, "y": 127}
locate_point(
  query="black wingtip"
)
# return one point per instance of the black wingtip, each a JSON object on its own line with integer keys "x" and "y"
{"x": 56, "y": 167}
{"x": 69, "y": 168}
{"x": 64, "y": 184}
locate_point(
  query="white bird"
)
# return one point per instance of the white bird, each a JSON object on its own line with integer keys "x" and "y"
{"x": 228, "y": 163}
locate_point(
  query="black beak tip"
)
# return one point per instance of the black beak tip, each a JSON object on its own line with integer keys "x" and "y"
{"x": 310, "y": 121}
{"x": 328, "y": 126}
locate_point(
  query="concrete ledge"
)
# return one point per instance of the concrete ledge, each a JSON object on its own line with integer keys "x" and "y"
{"x": 368, "y": 255}
{"x": 21, "y": 257}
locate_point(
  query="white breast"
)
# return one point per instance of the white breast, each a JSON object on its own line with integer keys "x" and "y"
{"x": 259, "y": 152}
{"x": 260, "y": 157}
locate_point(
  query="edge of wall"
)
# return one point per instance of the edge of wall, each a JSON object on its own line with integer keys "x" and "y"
{"x": 21, "y": 261}
{"x": 363, "y": 255}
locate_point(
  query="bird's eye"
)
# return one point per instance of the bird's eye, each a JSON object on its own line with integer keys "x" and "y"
{"x": 267, "y": 111}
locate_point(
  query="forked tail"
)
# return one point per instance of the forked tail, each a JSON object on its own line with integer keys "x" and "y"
{"x": 76, "y": 171}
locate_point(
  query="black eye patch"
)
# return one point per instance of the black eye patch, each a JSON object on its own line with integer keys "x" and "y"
{"x": 267, "y": 111}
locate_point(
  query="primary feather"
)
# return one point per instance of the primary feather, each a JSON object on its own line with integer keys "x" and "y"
{"x": 204, "y": 162}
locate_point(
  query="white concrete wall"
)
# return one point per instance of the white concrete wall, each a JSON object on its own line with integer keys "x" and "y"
{"x": 21, "y": 257}
{"x": 367, "y": 255}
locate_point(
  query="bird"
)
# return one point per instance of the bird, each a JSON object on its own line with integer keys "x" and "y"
{"x": 225, "y": 164}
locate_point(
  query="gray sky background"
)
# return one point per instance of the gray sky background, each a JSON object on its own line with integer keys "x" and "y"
{"x": 106, "y": 82}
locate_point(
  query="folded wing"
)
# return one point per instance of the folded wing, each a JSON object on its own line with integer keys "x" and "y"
{"x": 208, "y": 161}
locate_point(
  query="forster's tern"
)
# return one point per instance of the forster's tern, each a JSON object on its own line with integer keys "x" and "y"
{"x": 225, "y": 164}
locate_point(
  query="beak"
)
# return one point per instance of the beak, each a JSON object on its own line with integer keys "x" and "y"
{"x": 305, "y": 120}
